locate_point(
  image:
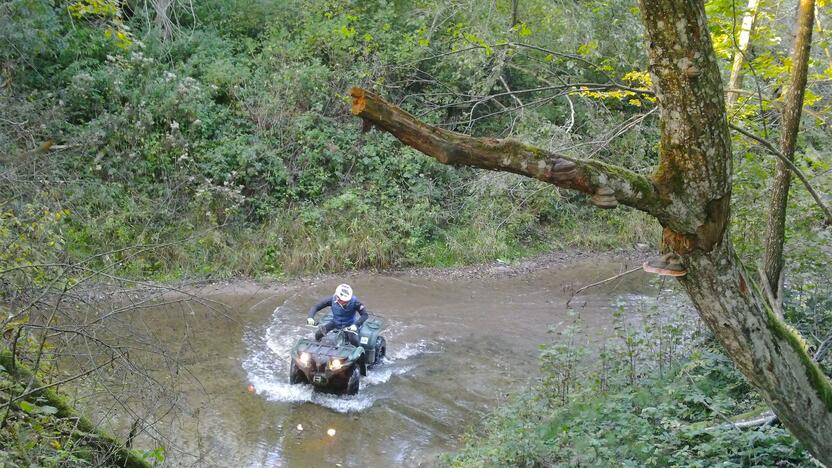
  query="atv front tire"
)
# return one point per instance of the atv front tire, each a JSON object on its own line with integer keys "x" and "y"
{"x": 296, "y": 376}
{"x": 354, "y": 381}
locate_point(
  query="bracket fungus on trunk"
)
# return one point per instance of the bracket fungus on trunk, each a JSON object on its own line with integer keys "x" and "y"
{"x": 668, "y": 264}
{"x": 604, "y": 197}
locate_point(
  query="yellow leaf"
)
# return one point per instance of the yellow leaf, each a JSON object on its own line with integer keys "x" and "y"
{"x": 588, "y": 48}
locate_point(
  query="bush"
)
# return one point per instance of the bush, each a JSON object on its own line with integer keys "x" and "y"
{"x": 632, "y": 407}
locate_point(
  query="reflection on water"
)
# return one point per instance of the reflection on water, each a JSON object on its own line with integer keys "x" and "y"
{"x": 456, "y": 347}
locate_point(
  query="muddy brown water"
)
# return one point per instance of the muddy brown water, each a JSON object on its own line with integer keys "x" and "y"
{"x": 456, "y": 348}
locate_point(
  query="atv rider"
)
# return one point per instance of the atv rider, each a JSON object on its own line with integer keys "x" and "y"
{"x": 344, "y": 307}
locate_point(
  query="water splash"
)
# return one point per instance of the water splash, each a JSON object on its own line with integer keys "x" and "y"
{"x": 267, "y": 365}
{"x": 410, "y": 350}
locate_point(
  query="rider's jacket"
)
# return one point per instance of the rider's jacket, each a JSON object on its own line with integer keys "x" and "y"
{"x": 342, "y": 316}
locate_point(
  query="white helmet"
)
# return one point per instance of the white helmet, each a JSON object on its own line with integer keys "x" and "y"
{"x": 343, "y": 292}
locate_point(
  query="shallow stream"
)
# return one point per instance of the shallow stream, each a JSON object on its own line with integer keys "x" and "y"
{"x": 457, "y": 345}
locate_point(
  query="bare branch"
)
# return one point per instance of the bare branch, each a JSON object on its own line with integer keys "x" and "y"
{"x": 599, "y": 283}
{"x": 772, "y": 300}
{"x": 771, "y": 149}
{"x": 823, "y": 349}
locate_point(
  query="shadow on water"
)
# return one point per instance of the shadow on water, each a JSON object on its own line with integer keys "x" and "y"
{"x": 456, "y": 347}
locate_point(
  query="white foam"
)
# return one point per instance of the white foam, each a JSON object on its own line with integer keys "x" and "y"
{"x": 381, "y": 375}
{"x": 410, "y": 350}
{"x": 285, "y": 393}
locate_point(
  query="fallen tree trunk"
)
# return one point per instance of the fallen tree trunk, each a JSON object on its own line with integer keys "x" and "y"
{"x": 762, "y": 420}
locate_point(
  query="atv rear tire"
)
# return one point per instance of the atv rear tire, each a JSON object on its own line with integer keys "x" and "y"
{"x": 381, "y": 350}
{"x": 296, "y": 376}
{"x": 354, "y": 381}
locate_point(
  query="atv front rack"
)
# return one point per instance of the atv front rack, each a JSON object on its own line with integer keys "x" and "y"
{"x": 317, "y": 349}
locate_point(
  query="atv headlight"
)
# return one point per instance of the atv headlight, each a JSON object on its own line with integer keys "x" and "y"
{"x": 305, "y": 358}
{"x": 335, "y": 364}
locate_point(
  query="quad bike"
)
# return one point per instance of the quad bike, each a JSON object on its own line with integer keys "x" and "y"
{"x": 333, "y": 365}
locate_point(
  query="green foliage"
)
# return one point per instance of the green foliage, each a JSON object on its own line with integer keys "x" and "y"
{"x": 630, "y": 409}
{"x": 230, "y": 149}
{"x": 41, "y": 430}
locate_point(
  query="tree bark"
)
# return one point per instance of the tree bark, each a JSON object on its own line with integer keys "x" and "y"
{"x": 735, "y": 81}
{"x": 689, "y": 194}
{"x": 792, "y": 106}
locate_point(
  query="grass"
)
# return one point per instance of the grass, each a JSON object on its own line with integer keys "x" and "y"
{"x": 374, "y": 240}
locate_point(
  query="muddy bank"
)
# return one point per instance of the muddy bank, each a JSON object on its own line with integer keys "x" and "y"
{"x": 499, "y": 269}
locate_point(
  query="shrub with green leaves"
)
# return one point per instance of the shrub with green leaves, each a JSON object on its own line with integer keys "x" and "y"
{"x": 239, "y": 126}
{"x": 627, "y": 407}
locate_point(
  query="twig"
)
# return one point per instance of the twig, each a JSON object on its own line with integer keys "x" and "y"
{"x": 823, "y": 349}
{"x": 600, "y": 283}
{"x": 773, "y": 302}
{"x": 511, "y": 93}
{"x": 520, "y": 105}
{"x": 618, "y": 131}
{"x": 571, "y": 114}
{"x": 791, "y": 167}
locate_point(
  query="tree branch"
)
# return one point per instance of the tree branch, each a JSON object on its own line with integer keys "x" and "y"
{"x": 772, "y": 299}
{"x": 771, "y": 149}
{"x": 599, "y": 283}
{"x": 823, "y": 349}
{"x": 447, "y": 147}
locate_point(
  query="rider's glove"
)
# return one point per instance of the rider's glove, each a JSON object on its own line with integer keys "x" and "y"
{"x": 352, "y": 328}
{"x": 310, "y": 321}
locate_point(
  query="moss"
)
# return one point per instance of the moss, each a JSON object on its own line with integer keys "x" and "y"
{"x": 819, "y": 382}
{"x": 669, "y": 175}
{"x": 535, "y": 152}
{"x": 817, "y": 379}
{"x": 752, "y": 414}
{"x": 638, "y": 182}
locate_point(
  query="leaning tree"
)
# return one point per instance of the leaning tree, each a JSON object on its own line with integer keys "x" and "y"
{"x": 689, "y": 194}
